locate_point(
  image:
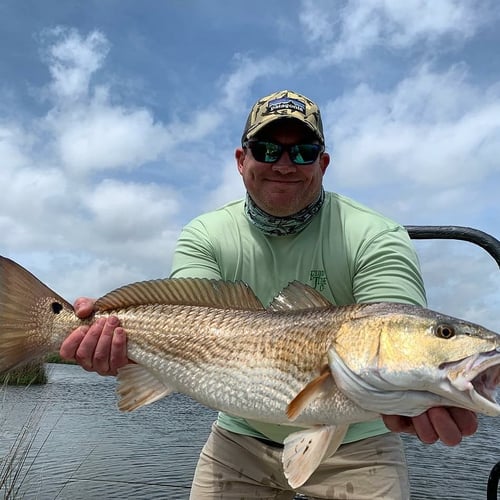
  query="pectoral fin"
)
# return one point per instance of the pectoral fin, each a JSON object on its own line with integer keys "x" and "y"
{"x": 309, "y": 393}
{"x": 305, "y": 450}
{"x": 137, "y": 386}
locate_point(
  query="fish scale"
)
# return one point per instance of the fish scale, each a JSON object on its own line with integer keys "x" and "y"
{"x": 217, "y": 359}
{"x": 232, "y": 368}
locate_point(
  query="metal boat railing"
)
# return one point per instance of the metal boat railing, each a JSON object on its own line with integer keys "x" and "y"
{"x": 492, "y": 246}
{"x": 484, "y": 240}
{"x": 492, "y": 488}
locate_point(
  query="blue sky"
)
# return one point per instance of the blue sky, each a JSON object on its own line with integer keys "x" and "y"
{"x": 119, "y": 119}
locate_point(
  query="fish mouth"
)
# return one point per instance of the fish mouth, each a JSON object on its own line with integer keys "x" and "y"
{"x": 477, "y": 379}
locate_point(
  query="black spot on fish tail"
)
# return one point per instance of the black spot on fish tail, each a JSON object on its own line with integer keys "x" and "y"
{"x": 57, "y": 307}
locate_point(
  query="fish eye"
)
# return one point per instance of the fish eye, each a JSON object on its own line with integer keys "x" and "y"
{"x": 56, "y": 307}
{"x": 445, "y": 331}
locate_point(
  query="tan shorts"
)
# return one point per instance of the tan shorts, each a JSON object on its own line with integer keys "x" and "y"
{"x": 235, "y": 467}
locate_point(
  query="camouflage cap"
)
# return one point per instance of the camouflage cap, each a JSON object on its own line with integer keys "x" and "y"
{"x": 283, "y": 104}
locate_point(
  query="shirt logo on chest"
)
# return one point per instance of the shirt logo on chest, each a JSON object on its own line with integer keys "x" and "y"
{"x": 318, "y": 279}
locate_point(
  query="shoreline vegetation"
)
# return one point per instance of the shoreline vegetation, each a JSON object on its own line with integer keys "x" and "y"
{"x": 31, "y": 373}
{"x": 17, "y": 463}
{"x": 22, "y": 453}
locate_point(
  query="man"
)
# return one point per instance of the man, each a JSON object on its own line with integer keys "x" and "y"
{"x": 288, "y": 228}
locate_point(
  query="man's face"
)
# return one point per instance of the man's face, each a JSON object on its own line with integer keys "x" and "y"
{"x": 282, "y": 188}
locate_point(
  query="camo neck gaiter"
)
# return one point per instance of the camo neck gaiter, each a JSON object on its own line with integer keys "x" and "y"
{"x": 281, "y": 226}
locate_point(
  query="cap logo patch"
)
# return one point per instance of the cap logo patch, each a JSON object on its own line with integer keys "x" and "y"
{"x": 286, "y": 103}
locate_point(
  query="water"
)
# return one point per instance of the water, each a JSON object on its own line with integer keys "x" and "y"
{"x": 79, "y": 446}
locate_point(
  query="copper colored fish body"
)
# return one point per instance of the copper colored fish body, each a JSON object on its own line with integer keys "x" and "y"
{"x": 300, "y": 362}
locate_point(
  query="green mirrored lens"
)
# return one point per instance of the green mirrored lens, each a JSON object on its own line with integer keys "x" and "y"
{"x": 303, "y": 154}
{"x": 272, "y": 152}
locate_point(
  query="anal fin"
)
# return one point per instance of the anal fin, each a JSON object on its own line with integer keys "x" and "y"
{"x": 305, "y": 450}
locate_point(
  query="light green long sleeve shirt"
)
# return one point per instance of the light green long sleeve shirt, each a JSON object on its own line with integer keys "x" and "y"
{"x": 349, "y": 253}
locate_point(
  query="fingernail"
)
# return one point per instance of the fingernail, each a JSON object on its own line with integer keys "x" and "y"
{"x": 78, "y": 303}
{"x": 113, "y": 321}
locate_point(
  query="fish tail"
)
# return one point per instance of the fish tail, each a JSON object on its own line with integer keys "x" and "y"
{"x": 27, "y": 310}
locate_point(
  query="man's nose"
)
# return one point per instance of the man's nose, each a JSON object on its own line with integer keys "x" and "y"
{"x": 284, "y": 164}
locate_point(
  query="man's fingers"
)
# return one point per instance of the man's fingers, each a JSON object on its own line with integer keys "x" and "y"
{"x": 465, "y": 420}
{"x": 85, "y": 352}
{"x": 84, "y": 307}
{"x": 448, "y": 424}
{"x": 445, "y": 426}
{"x": 118, "y": 356}
{"x": 102, "y": 347}
{"x": 398, "y": 423}
{"x": 102, "y": 350}
{"x": 111, "y": 350}
{"x": 72, "y": 342}
{"x": 424, "y": 428}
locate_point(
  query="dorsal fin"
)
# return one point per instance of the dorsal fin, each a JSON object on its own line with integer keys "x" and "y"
{"x": 299, "y": 297}
{"x": 182, "y": 291}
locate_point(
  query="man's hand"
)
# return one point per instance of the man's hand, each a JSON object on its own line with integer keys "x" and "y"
{"x": 448, "y": 424}
{"x": 100, "y": 347}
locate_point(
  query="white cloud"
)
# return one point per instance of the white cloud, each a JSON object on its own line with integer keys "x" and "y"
{"x": 229, "y": 188}
{"x": 429, "y": 130}
{"x": 100, "y": 136}
{"x": 346, "y": 30}
{"x": 33, "y": 197}
{"x": 56, "y": 213}
{"x": 72, "y": 61}
{"x": 91, "y": 131}
{"x": 236, "y": 86}
{"x": 130, "y": 211}
{"x": 198, "y": 125}
{"x": 14, "y": 144}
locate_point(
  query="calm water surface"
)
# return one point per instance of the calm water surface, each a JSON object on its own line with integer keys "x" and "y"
{"x": 82, "y": 447}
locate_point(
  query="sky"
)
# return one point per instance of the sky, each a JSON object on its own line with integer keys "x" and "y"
{"x": 119, "y": 120}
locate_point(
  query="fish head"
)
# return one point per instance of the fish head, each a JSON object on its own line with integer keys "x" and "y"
{"x": 412, "y": 358}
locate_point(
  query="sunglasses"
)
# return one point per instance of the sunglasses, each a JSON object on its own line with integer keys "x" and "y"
{"x": 270, "y": 152}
